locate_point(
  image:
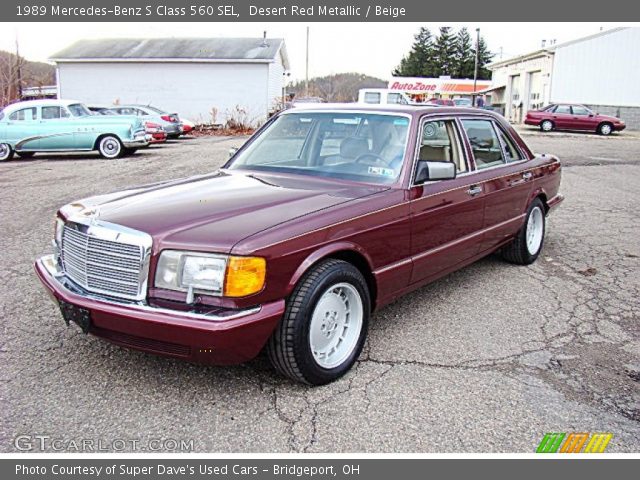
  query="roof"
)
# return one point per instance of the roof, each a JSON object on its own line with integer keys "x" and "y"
{"x": 174, "y": 49}
{"x": 413, "y": 110}
{"x": 38, "y": 103}
{"x": 550, "y": 50}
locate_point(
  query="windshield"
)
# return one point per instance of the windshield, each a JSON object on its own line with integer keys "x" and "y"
{"x": 365, "y": 147}
{"x": 79, "y": 110}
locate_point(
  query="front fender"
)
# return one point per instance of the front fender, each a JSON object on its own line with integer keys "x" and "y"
{"x": 324, "y": 252}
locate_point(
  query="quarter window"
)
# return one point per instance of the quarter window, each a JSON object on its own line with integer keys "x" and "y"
{"x": 484, "y": 143}
{"x": 439, "y": 143}
{"x": 511, "y": 152}
{"x": 24, "y": 115}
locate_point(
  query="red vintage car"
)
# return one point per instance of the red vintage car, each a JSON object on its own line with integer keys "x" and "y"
{"x": 326, "y": 214}
{"x": 564, "y": 116}
{"x": 158, "y": 134}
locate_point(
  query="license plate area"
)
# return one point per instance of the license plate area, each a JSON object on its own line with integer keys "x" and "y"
{"x": 78, "y": 315}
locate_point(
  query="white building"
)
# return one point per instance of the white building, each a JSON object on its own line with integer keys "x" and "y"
{"x": 203, "y": 79}
{"x": 600, "y": 71}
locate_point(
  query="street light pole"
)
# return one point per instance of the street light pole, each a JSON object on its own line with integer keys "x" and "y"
{"x": 475, "y": 68}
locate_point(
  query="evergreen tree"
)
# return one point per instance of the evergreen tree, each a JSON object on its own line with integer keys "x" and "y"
{"x": 465, "y": 55}
{"x": 449, "y": 53}
{"x": 419, "y": 61}
{"x": 445, "y": 53}
{"x": 484, "y": 58}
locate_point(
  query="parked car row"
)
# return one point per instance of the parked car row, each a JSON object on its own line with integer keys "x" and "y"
{"x": 30, "y": 127}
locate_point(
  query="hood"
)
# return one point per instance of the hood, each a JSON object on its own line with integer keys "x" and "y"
{"x": 214, "y": 212}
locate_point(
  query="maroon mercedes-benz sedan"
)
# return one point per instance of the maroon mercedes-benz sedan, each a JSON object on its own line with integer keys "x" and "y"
{"x": 573, "y": 117}
{"x": 324, "y": 215}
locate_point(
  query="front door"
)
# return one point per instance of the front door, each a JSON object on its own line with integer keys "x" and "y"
{"x": 583, "y": 118}
{"x": 56, "y": 129}
{"x": 447, "y": 214}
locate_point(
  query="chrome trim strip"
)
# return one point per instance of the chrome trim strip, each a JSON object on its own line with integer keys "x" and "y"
{"x": 49, "y": 265}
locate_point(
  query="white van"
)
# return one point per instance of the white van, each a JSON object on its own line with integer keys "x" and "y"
{"x": 377, "y": 96}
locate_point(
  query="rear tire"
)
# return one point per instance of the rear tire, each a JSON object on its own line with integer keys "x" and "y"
{"x": 6, "y": 152}
{"x": 324, "y": 326}
{"x": 110, "y": 147}
{"x": 546, "y": 125}
{"x": 525, "y": 248}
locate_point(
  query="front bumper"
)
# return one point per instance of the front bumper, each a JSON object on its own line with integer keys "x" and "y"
{"x": 219, "y": 337}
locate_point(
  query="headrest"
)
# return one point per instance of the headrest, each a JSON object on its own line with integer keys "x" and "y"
{"x": 353, "y": 147}
{"x": 478, "y": 138}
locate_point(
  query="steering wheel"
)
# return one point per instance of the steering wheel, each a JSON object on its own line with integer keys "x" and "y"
{"x": 364, "y": 156}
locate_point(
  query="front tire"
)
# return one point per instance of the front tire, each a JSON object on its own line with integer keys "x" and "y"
{"x": 605, "y": 129}
{"x": 546, "y": 125}
{"x": 324, "y": 326}
{"x": 6, "y": 152}
{"x": 527, "y": 245}
{"x": 110, "y": 147}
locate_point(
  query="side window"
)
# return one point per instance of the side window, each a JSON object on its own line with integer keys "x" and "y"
{"x": 579, "y": 110}
{"x": 484, "y": 143}
{"x": 440, "y": 143}
{"x": 372, "y": 97}
{"x": 52, "y": 113}
{"x": 511, "y": 152}
{"x": 563, "y": 109}
{"x": 24, "y": 115}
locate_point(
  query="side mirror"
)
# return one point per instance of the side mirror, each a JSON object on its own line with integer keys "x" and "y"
{"x": 428, "y": 171}
{"x": 233, "y": 151}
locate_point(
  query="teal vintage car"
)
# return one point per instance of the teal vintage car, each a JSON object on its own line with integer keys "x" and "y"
{"x": 65, "y": 126}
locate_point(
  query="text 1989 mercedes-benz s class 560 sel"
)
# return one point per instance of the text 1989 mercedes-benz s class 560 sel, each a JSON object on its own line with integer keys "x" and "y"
{"x": 324, "y": 215}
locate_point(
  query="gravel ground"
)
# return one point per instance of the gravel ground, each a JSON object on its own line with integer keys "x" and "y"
{"x": 488, "y": 359}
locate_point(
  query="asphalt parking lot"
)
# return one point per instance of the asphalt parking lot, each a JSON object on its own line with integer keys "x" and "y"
{"x": 488, "y": 359}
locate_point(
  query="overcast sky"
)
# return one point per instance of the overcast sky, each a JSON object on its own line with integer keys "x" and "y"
{"x": 370, "y": 48}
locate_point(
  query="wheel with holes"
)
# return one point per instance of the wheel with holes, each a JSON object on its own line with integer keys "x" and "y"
{"x": 605, "y": 129}
{"x": 546, "y": 125}
{"x": 110, "y": 147}
{"x": 6, "y": 152}
{"x": 324, "y": 325}
{"x": 527, "y": 245}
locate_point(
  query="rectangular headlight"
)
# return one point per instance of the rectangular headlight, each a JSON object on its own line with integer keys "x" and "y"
{"x": 210, "y": 274}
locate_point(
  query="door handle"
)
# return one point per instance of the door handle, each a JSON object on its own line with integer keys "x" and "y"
{"x": 474, "y": 190}
{"x": 527, "y": 175}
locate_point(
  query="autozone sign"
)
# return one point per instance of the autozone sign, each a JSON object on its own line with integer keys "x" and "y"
{"x": 443, "y": 85}
{"x": 413, "y": 86}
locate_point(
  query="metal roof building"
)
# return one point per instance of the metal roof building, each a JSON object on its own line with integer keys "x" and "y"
{"x": 599, "y": 71}
{"x": 204, "y": 79}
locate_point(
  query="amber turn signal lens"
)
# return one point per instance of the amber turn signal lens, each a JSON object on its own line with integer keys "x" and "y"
{"x": 245, "y": 276}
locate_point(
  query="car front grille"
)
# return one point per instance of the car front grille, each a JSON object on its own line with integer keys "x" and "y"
{"x": 103, "y": 266}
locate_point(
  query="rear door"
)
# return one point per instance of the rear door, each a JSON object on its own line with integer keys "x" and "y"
{"x": 23, "y": 129}
{"x": 562, "y": 117}
{"x": 499, "y": 171}
{"x": 446, "y": 214}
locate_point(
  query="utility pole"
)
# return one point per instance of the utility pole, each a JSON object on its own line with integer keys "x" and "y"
{"x": 475, "y": 68}
{"x": 306, "y": 80}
